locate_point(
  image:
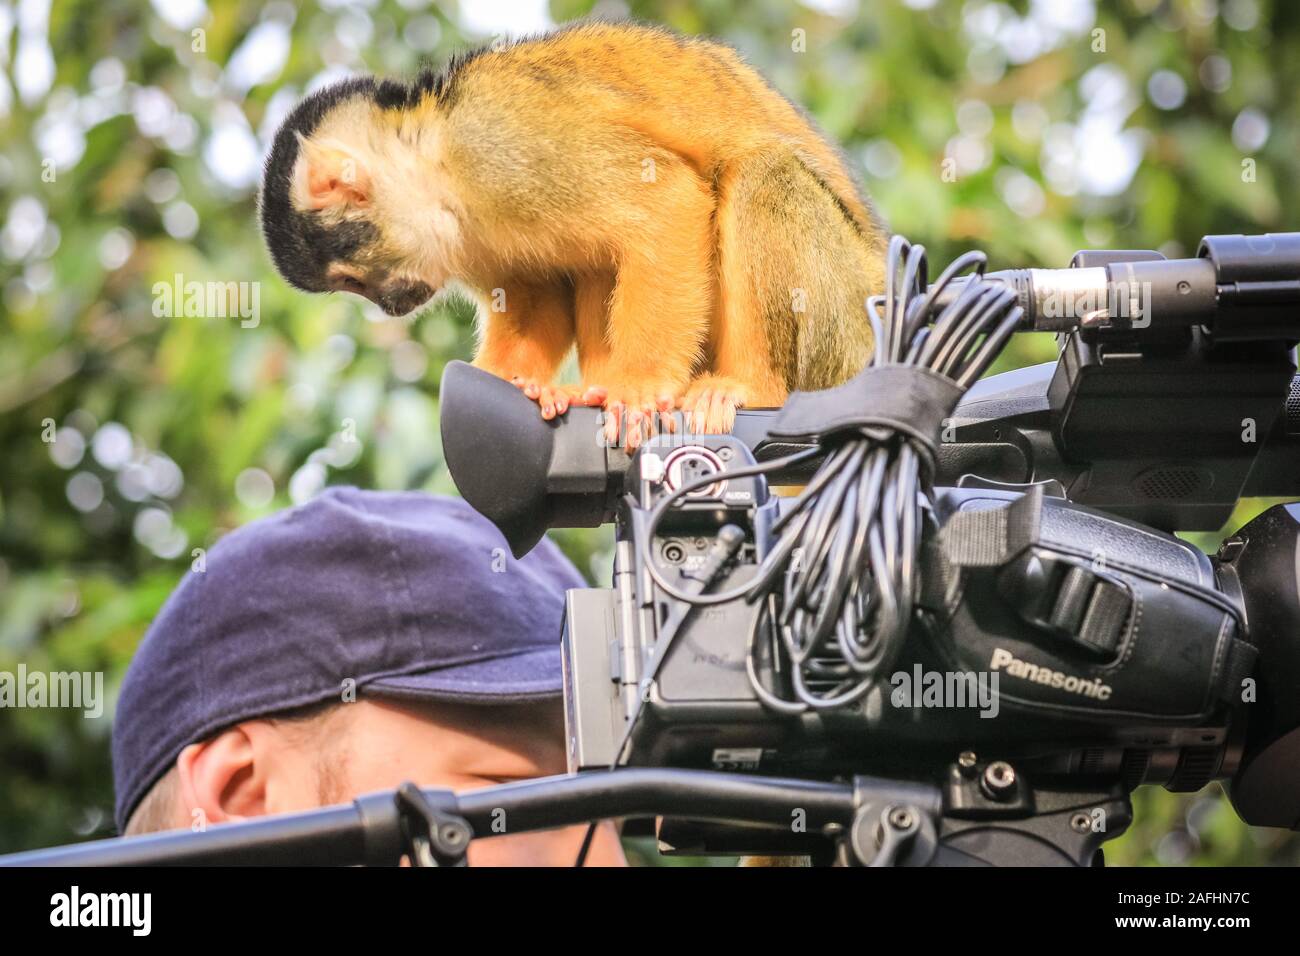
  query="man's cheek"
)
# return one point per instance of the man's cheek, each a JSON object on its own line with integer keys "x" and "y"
{"x": 543, "y": 848}
{"x": 548, "y": 848}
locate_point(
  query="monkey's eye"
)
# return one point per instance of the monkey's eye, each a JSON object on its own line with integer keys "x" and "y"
{"x": 352, "y": 284}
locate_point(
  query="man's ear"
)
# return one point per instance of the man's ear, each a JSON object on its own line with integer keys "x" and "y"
{"x": 331, "y": 175}
{"x": 225, "y": 777}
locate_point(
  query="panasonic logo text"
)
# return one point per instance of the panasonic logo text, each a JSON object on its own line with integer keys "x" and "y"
{"x": 1012, "y": 666}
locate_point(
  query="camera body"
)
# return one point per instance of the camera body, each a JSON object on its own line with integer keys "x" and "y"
{"x": 992, "y": 664}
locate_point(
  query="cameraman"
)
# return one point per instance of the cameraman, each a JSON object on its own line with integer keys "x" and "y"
{"x": 342, "y": 647}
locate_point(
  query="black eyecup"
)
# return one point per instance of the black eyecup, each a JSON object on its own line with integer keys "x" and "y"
{"x": 522, "y": 473}
{"x": 498, "y": 451}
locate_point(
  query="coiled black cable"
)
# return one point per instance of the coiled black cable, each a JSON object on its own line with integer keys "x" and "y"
{"x": 840, "y": 581}
{"x": 843, "y": 605}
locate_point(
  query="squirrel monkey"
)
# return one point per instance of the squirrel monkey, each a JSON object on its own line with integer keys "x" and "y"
{"x": 643, "y": 195}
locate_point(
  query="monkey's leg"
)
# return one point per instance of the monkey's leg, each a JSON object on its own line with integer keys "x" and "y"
{"x": 592, "y": 293}
{"x": 659, "y": 308}
{"x": 526, "y": 331}
{"x": 744, "y": 369}
{"x": 793, "y": 273}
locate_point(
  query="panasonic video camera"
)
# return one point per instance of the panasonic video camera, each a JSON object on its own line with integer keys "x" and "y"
{"x": 971, "y": 585}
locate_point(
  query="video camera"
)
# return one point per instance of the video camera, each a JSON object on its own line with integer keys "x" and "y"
{"x": 1037, "y": 643}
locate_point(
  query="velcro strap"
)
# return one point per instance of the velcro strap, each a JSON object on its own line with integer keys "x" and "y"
{"x": 1072, "y": 599}
{"x": 906, "y": 398}
{"x": 938, "y": 576}
{"x": 990, "y": 537}
{"x": 1101, "y": 625}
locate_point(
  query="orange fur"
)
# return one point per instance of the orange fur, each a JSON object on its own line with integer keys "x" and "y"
{"x": 643, "y": 196}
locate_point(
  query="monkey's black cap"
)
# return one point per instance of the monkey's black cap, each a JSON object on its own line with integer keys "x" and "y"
{"x": 301, "y": 246}
{"x": 407, "y": 595}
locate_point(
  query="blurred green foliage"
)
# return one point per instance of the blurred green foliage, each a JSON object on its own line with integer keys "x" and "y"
{"x": 131, "y": 136}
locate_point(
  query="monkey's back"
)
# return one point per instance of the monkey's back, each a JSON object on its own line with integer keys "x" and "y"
{"x": 696, "y": 98}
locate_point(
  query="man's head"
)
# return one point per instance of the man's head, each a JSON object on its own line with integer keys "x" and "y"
{"x": 353, "y": 199}
{"x": 343, "y": 647}
{"x": 334, "y": 752}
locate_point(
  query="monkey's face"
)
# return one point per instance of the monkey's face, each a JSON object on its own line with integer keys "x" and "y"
{"x": 336, "y": 219}
{"x": 335, "y": 241}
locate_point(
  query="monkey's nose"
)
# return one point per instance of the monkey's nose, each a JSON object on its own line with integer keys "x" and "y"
{"x": 399, "y": 300}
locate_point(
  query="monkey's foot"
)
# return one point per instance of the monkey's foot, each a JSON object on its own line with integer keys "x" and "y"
{"x": 555, "y": 399}
{"x": 634, "y": 414}
{"x": 711, "y": 402}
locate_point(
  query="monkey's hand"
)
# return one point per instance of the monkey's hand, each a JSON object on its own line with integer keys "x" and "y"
{"x": 556, "y": 399}
{"x": 633, "y": 414}
{"x": 710, "y": 404}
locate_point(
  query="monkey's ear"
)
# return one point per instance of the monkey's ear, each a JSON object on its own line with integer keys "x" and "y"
{"x": 331, "y": 175}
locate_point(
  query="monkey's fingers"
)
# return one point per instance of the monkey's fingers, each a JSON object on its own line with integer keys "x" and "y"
{"x": 556, "y": 399}
{"x": 711, "y": 406}
{"x": 553, "y": 400}
{"x": 613, "y": 423}
{"x": 628, "y": 425}
{"x": 666, "y": 405}
{"x": 651, "y": 416}
{"x": 592, "y": 396}
{"x": 634, "y": 429}
{"x": 641, "y": 425}
{"x": 529, "y": 386}
{"x": 632, "y": 418}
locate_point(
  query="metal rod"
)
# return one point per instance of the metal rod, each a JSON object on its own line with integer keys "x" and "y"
{"x": 636, "y": 791}
{"x": 332, "y": 836}
{"x": 366, "y": 831}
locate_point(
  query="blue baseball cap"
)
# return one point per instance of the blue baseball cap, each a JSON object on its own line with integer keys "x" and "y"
{"x": 408, "y": 595}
